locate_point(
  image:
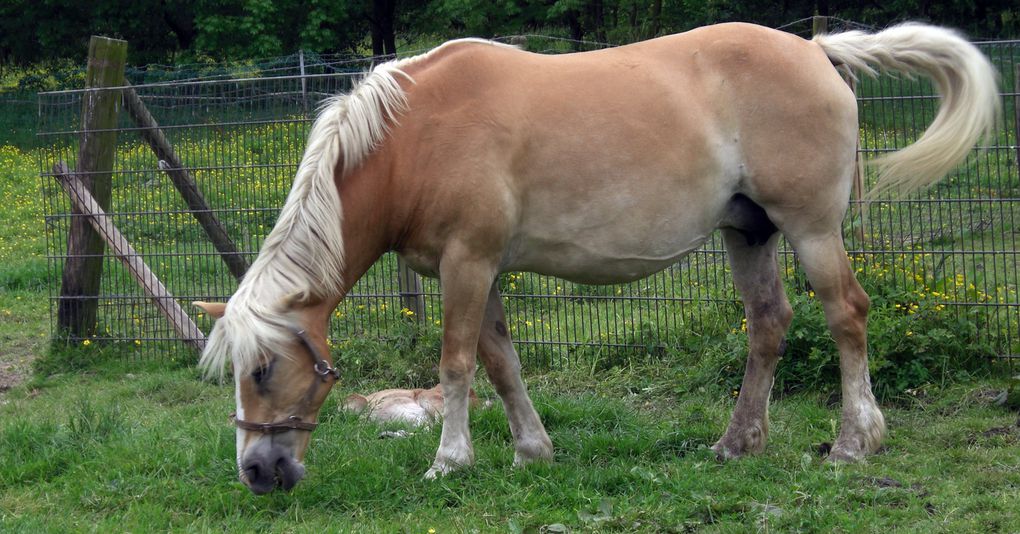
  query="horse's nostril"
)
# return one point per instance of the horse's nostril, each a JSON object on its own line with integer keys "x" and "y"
{"x": 279, "y": 470}
{"x": 288, "y": 473}
{"x": 251, "y": 471}
{"x": 270, "y": 470}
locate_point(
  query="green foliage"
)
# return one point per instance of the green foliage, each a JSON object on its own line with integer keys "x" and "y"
{"x": 910, "y": 345}
{"x": 917, "y": 336}
{"x": 260, "y": 28}
{"x": 167, "y": 30}
{"x": 409, "y": 356}
{"x": 48, "y": 76}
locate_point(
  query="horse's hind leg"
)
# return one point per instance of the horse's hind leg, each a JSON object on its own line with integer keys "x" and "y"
{"x": 756, "y": 276}
{"x": 846, "y": 309}
{"x": 504, "y": 369}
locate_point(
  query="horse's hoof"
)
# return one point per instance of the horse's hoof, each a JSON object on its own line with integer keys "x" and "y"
{"x": 536, "y": 451}
{"x": 444, "y": 467}
{"x": 723, "y": 453}
{"x": 437, "y": 471}
{"x": 840, "y": 455}
{"x": 733, "y": 446}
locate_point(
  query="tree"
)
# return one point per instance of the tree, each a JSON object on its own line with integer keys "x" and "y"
{"x": 381, "y": 17}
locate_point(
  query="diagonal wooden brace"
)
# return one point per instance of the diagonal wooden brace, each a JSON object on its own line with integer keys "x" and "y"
{"x": 186, "y": 329}
{"x": 185, "y": 184}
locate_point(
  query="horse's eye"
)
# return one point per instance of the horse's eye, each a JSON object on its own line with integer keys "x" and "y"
{"x": 261, "y": 373}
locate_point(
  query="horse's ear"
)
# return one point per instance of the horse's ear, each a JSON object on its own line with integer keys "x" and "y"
{"x": 214, "y": 309}
{"x": 295, "y": 300}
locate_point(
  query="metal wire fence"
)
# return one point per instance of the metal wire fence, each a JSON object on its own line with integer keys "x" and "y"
{"x": 241, "y": 139}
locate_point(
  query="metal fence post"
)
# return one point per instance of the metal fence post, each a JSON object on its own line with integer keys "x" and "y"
{"x": 1016, "y": 109}
{"x": 304, "y": 88}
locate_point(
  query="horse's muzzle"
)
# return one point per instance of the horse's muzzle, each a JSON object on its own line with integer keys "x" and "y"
{"x": 265, "y": 471}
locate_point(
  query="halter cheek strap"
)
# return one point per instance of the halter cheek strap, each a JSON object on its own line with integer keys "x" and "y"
{"x": 321, "y": 367}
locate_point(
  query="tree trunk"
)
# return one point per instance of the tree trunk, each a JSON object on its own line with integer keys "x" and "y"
{"x": 655, "y": 25}
{"x": 576, "y": 31}
{"x": 181, "y": 23}
{"x": 384, "y": 40}
{"x": 597, "y": 11}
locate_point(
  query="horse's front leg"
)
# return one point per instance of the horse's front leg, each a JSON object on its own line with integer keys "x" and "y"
{"x": 465, "y": 288}
{"x": 501, "y": 362}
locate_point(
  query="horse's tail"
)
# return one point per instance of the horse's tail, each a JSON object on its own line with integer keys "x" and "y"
{"x": 963, "y": 77}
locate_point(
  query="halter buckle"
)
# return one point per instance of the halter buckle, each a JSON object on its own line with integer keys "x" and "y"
{"x": 324, "y": 370}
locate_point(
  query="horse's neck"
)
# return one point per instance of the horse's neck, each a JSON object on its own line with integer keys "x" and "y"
{"x": 366, "y": 227}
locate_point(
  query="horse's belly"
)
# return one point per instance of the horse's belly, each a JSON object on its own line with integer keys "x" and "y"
{"x": 604, "y": 255}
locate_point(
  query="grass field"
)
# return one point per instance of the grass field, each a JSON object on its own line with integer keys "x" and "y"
{"x": 112, "y": 446}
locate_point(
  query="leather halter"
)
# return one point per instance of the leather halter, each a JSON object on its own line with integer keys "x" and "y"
{"x": 321, "y": 367}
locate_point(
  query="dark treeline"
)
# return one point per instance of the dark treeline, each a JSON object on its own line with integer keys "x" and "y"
{"x": 164, "y": 31}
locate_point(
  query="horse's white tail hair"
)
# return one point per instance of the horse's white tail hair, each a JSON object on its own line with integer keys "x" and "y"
{"x": 963, "y": 77}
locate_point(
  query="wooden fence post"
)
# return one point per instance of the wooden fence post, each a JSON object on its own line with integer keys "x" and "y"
{"x": 172, "y": 166}
{"x": 819, "y": 24}
{"x": 409, "y": 285}
{"x": 83, "y": 270}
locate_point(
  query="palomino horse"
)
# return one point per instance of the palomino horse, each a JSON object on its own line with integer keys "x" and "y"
{"x": 599, "y": 167}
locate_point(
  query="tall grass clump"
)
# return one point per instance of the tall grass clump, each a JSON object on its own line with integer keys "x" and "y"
{"x": 919, "y": 333}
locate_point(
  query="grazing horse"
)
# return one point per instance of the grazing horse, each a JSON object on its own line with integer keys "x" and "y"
{"x": 416, "y": 407}
{"x": 599, "y": 167}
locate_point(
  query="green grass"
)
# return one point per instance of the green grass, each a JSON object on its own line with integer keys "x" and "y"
{"x": 146, "y": 446}
{"x": 24, "y": 321}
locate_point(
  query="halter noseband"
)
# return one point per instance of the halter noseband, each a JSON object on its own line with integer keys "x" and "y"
{"x": 321, "y": 367}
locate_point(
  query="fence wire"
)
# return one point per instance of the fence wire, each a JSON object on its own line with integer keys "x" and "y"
{"x": 241, "y": 139}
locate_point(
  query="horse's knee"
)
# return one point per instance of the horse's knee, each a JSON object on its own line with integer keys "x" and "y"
{"x": 456, "y": 371}
{"x": 858, "y": 301}
{"x": 851, "y": 314}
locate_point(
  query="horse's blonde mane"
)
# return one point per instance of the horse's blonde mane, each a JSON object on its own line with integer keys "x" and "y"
{"x": 303, "y": 256}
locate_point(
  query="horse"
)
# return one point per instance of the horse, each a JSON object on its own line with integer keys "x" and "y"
{"x": 414, "y": 407}
{"x": 600, "y": 167}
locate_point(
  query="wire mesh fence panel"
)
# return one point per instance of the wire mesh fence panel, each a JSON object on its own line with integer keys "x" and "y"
{"x": 241, "y": 138}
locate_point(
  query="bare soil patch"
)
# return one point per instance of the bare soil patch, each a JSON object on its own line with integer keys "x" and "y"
{"x": 16, "y": 356}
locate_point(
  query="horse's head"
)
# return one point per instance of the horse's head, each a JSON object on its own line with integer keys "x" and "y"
{"x": 278, "y": 393}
